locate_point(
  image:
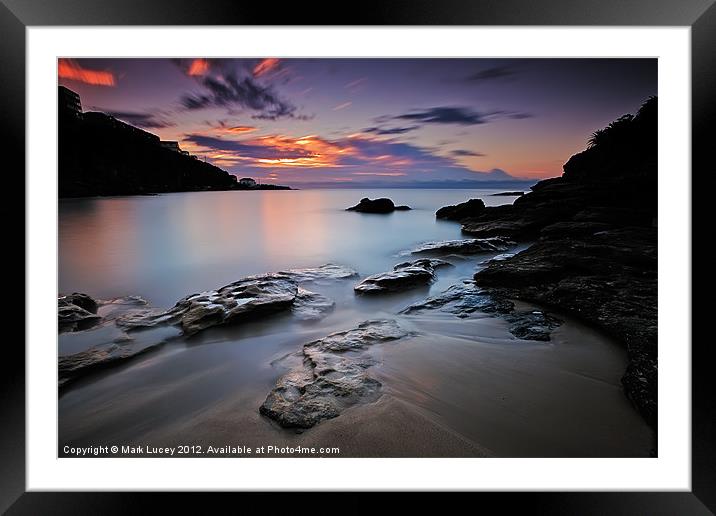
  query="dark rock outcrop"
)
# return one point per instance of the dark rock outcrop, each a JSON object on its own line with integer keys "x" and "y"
{"x": 508, "y": 194}
{"x": 331, "y": 377}
{"x": 466, "y": 298}
{"x": 382, "y": 205}
{"x": 595, "y": 254}
{"x": 76, "y": 312}
{"x": 403, "y": 276}
{"x": 471, "y": 208}
{"x": 464, "y": 246}
{"x": 123, "y": 328}
{"x": 608, "y": 279}
{"x": 246, "y": 299}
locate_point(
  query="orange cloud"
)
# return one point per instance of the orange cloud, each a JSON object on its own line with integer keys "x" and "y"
{"x": 240, "y": 129}
{"x": 71, "y": 69}
{"x": 198, "y": 67}
{"x": 265, "y": 66}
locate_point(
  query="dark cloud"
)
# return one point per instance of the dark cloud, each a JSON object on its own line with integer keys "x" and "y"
{"x": 445, "y": 115}
{"x": 139, "y": 119}
{"x": 231, "y": 91}
{"x": 463, "y": 152}
{"x": 390, "y": 130}
{"x": 247, "y": 150}
{"x": 454, "y": 115}
{"x": 492, "y": 73}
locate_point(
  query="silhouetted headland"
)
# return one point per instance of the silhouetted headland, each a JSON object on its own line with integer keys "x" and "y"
{"x": 595, "y": 244}
{"x": 100, "y": 155}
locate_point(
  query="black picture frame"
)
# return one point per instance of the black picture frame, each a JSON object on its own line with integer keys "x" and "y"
{"x": 17, "y": 15}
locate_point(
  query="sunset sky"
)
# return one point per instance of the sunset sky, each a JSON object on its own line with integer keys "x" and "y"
{"x": 350, "y": 122}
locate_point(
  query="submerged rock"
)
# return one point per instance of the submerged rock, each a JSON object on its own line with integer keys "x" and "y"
{"x": 329, "y": 271}
{"x": 462, "y": 300}
{"x": 331, "y": 377}
{"x": 310, "y": 306}
{"x": 535, "y": 325}
{"x": 466, "y": 298}
{"x": 107, "y": 349}
{"x": 464, "y": 246}
{"x": 382, "y": 205}
{"x": 403, "y": 276}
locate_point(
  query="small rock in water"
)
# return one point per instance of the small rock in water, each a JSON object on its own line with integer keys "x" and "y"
{"x": 403, "y": 276}
{"x": 382, "y": 205}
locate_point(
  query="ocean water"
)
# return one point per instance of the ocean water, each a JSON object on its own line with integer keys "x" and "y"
{"x": 515, "y": 398}
{"x": 165, "y": 247}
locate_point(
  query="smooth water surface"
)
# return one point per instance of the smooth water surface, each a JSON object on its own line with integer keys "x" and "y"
{"x": 465, "y": 377}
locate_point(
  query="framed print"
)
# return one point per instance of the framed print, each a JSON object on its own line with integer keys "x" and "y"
{"x": 444, "y": 248}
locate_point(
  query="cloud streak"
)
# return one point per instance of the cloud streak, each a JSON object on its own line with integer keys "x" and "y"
{"x": 265, "y": 66}
{"x": 230, "y": 91}
{"x": 492, "y": 73}
{"x": 463, "y": 153}
{"x": 455, "y": 115}
{"x": 72, "y": 70}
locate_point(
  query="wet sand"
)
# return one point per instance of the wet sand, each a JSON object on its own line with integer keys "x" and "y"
{"x": 458, "y": 388}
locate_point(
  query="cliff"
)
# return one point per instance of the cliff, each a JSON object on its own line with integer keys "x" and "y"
{"x": 594, "y": 254}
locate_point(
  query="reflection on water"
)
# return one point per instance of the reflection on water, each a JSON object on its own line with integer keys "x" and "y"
{"x": 512, "y": 397}
{"x": 167, "y": 246}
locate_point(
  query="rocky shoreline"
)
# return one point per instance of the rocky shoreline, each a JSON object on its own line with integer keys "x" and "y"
{"x": 594, "y": 254}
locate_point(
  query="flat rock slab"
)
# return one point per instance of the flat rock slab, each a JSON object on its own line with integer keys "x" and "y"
{"x": 253, "y": 296}
{"x": 464, "y": 246}
{"x": 466, "y": 298}
{"x": 331, "y": 377}
{"x": 403, "y": 276}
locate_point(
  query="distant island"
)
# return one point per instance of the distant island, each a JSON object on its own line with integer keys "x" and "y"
{"x": 99, "y": 155}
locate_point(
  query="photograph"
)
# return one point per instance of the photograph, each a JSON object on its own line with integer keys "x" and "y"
{"x": 357, "y": 257}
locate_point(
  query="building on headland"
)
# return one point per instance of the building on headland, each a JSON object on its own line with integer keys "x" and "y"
{"x": 69, "y": 102}
{"x": 170, "y": 145}
{"x": 247, "y": 182}
{"x": 173, "y": 146}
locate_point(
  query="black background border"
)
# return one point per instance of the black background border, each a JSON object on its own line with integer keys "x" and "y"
{"x": 16, "y": 15}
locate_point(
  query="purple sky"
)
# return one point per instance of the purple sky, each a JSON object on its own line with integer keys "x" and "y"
{"x": 343, "y": 122}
